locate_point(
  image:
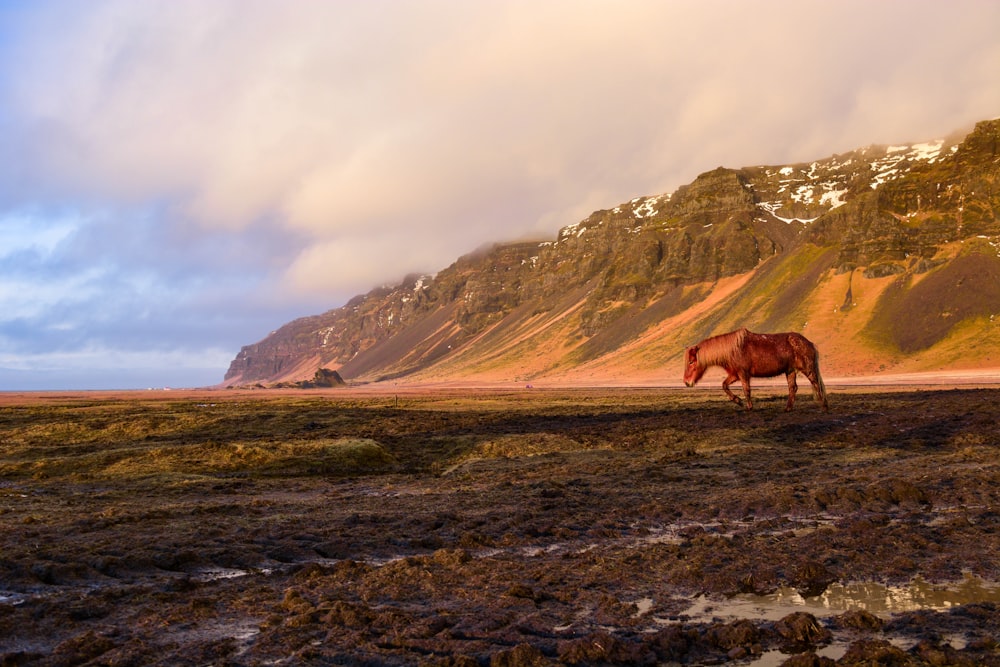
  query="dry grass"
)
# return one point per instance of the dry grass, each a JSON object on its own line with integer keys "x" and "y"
{"x": 304, "y": 457}
{"x": 288, "y": 435}
{"x": 342, "y": 433}
{"x": 132, "y": 439}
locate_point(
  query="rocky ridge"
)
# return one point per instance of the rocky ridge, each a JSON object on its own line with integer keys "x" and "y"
{"x": 887, "y": 256}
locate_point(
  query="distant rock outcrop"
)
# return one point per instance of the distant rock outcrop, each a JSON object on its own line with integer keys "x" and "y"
{"x": 324, "y": 378}
{"x": 621, "y": 293}
{"x": 327, "y": 378}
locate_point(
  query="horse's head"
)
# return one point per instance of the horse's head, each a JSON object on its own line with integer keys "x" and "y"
{"x": 692, "y": 369}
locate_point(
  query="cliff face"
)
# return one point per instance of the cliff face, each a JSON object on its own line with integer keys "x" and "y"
{"x": 911, "y": 231}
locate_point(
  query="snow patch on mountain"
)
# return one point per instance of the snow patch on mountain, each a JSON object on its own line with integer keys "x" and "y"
{"x": 894, "y": 163}
{"x": 646, "y": 207}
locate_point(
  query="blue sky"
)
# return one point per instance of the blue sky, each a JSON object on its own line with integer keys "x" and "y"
{"x": 180, "y": 177}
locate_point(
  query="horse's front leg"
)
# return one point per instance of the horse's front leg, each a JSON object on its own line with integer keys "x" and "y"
{"x": 745, "y": 379}
{"x": 792, "y": 388}
{"x": 731, "y": 378}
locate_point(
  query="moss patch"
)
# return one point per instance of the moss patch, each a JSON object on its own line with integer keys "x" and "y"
{"x": 915, "y": 318}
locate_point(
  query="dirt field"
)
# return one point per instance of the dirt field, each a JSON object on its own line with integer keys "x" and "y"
{"x": 529, "y": 527}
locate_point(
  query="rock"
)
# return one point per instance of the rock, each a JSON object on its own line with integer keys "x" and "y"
{"x": 522, "y": 655}
{"x": 325, "y": 377}
{"x": 739, "y": 634}
{"x": 600, "y": 647}
{"x": 865, "y": 652}
{"x": 802, "y": 628}
{"x": 859, "y": 619}
{"x": 812, "y": 578}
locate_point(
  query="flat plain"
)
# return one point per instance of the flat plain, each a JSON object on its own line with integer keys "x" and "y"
{"x": 472, "y": 526}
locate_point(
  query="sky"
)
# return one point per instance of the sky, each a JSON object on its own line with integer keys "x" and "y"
{"x": 178, "y": 178}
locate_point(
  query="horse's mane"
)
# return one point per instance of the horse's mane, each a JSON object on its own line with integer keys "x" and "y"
{"x": 718, "y": 350}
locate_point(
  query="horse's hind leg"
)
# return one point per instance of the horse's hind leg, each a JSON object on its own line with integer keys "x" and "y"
{"x": 819, "y": 391}
{"x": 792, "y": 388}
{"x": 745, "y": 379}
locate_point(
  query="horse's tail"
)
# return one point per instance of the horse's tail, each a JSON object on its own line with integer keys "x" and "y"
{"x": 819, "y": 388}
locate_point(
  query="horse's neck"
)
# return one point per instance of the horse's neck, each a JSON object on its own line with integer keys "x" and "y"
{"x": 719, "y": 350}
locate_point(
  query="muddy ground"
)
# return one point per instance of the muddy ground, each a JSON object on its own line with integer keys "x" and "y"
{"x": 496, "y": 528}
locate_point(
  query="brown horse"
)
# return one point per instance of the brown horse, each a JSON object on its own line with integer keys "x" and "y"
{"x": 744, "y": 354}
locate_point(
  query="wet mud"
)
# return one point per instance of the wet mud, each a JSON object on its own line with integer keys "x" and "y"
{"x": 601, "y": 527}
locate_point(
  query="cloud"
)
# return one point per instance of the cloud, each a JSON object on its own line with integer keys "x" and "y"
{"x": 335, "y": 118}
{"x": 130, "y": 291}
{"x": 111, "y": 368}
{"x": 290, "y": 155}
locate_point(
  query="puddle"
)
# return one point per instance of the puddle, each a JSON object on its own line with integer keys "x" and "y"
{"x": 643, "y": 606}
{"x": 836, "y": 650}
{"x": 877, "y": 599}
{"x": 13, "y": 599}
{"x": 218, "y": 573}
{"x": 776, "y": 658}
{"x": 874, "y": 598}
{"x": 677, "y": 533}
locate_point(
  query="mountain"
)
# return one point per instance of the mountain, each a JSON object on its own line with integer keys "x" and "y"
{"x": 887, "y": 257}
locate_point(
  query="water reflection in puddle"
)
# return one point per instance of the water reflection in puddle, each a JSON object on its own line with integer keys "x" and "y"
{"x": 218, "y": 573}
{"x": 874, "y": 598}
{"x": 13, "y": 599}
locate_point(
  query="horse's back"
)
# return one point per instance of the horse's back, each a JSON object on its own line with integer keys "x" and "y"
{"x": 767, "y": 355}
